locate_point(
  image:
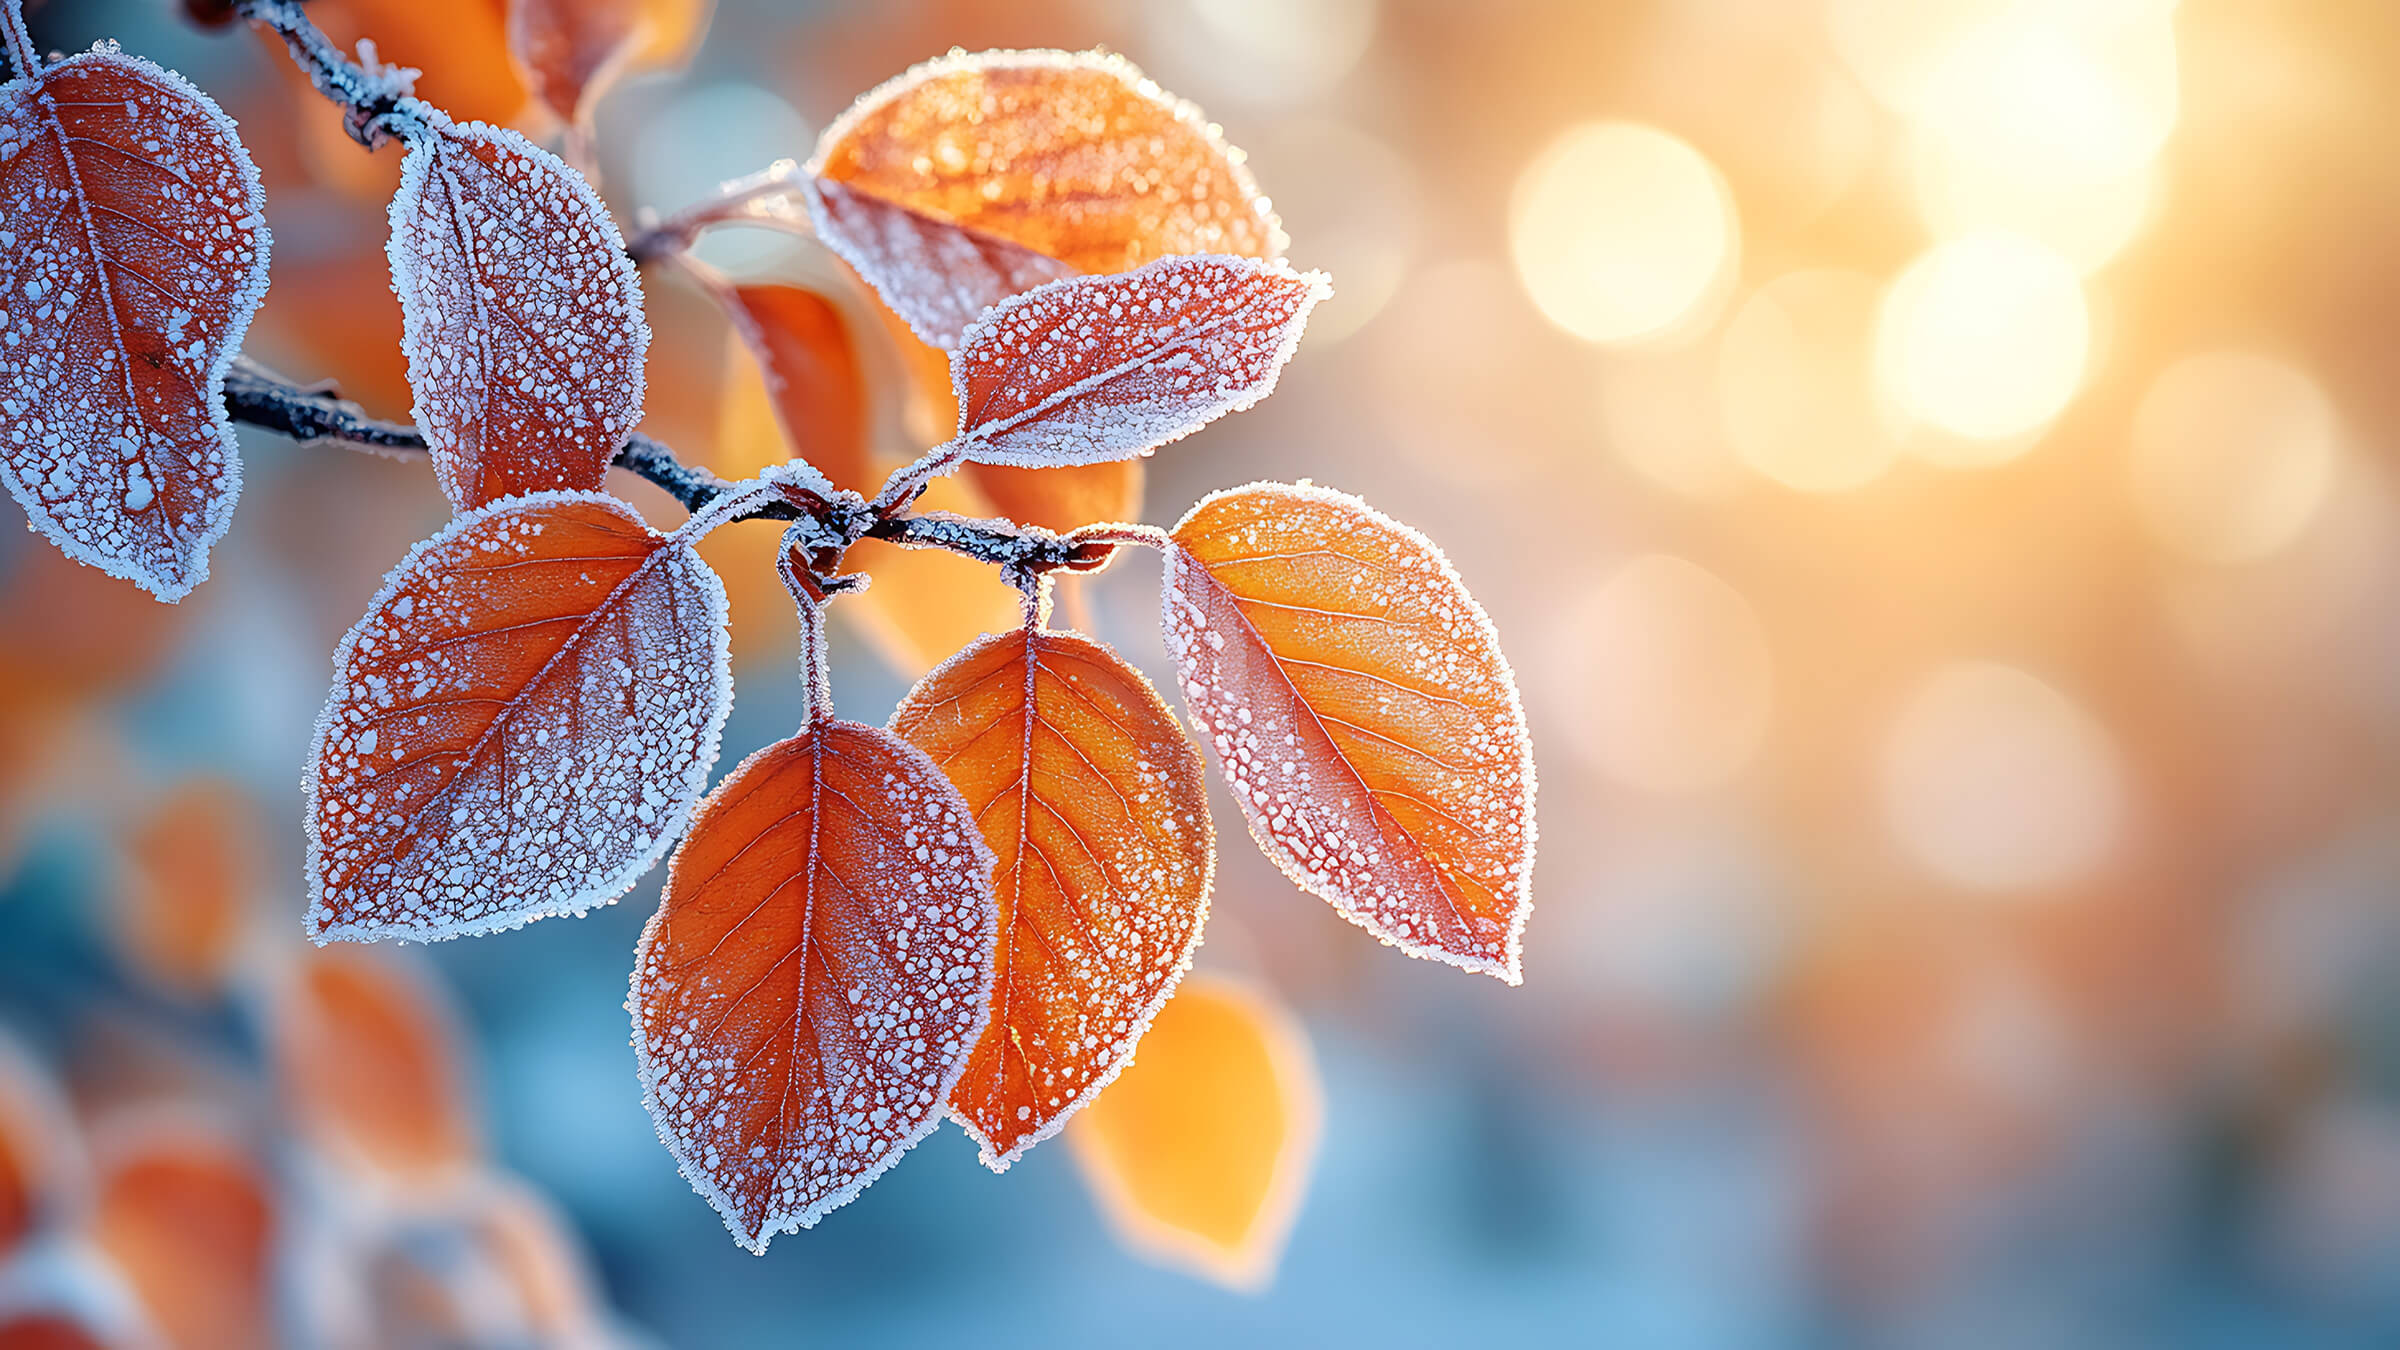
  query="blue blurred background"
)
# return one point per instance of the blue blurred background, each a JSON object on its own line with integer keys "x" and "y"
{"x": 1932, "y": 464}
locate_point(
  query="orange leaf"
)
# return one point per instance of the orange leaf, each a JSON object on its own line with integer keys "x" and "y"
{"x": 1094, "y": 803}
{"x": 193, "y": 874}
{"x": 1100, "y": 368}
{"x": 571, "y": 50}
{"x": 1359, "y": 706}
{"x": 365, "y": 1055}
{"x": 1064, "y": 497}
{"x": 459, "y": 46}
{"x": 136, "y": 253}
{"x": 521, "y": 314}
{"x": 41, "y": 1161}
{"x": 935, "y": 275}
{"x": 671, "y": 30}
{"x": 1199, "y": 1155}
{"x": 188, "y": 1219}
{"x": 518, "y": 727}
{"x": 926, "y": 603}
{"x": 1072, "y": 155}
{"x": 805, "y": 997}
{"x": 813, "y": 372}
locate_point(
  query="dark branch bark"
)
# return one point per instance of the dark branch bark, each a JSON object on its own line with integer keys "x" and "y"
{"x": 258, "y": 397}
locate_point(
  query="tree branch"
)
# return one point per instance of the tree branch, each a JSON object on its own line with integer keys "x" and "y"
{"x": 311, "y": 414}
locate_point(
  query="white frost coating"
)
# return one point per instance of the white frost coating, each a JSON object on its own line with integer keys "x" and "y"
{"x": 1140, "y": 909}
{"x": 937, "y": 276}
{"x": 1098, "y": 368}
{"x": 1406, "y": 646}
{"x": 133, "y": 252}
{"x": 489, "y": 756}
{"x": 750, "y": 492}
{"x": 521, "y": 314}
{"x": 1141, "y": 190}
{"x": 915, "y": 902}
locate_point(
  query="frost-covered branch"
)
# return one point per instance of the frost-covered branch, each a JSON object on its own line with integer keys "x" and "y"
{"x": 259, "y": 397}
{"x": 368, "y": 91}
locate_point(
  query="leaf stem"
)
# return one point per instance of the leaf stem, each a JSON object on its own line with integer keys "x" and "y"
{"x": 21, "y": 50}
{"x": 754, "y": 200}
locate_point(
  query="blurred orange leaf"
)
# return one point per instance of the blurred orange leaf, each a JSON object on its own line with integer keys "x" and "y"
{"x": 188, "y": 1219}
{"x": 1094, "y": 802}
{"x": 194, "y": 866}
{"x": 41, "y": 1159}
{"x": 812, "y": 371}
{"x": 1064, "y": 497}
{"x": 366, "y": 1057}
{"x": 805, "y": 997}
{"x": 1359, "y": 706}
{"x": 1200, "y": 1153}
{"x": 570, "y": 51}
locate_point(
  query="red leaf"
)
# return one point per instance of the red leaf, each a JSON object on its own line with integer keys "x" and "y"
{"x": 812, "y": 368}
{"x": 1099, "y": 368}
{"x": 1094, "y": 802}
{"x": 1071, "y": 154}
{"x": 521, "y": 314}
{"x": 805, "y": 997}
{"x": 1358, "y": 703}
{"x": 518, "y": 727}
{"x": 136, "y": 254}
{"x": 935, "y": 275}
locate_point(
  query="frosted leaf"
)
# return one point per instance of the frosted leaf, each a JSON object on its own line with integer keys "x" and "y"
{"x": 1355, "y": 697}
{"x": 935, "y": 275}
{"x": 518, "y": 727}
{"x": 1094, "y": 803}
{"x": 1074, "y": 155}
{"x": 521, "y": 314}
{"x": 805, "y": 996}
{"x": 1099, "y": 368}
{"x": 133, "y": 252}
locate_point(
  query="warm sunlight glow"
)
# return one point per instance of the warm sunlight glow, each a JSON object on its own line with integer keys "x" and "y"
{"x": 1984, "y": 336}
{"x": 1621, "y": 231}
{"x": 1657, "y": 409}
{"x": 1793, "y": 380}
{"x": 1994, "y": 780}
{"x": 1674, "y": 676}
{"x": 2232, "y": 455}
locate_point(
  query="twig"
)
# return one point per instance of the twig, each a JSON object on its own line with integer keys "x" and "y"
{"x": 371, "y": 94}
{"x": 257, "y": 396}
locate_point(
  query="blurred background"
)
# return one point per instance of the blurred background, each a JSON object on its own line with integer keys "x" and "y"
{"x": 1932, "y": 463}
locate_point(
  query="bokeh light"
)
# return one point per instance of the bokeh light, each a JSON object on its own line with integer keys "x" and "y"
{"x": 1669, "y": 674}
{"x": 1793, "y": 381}
{"x": 1657, "y": 409}
{"x": 2231, "y": 455}
{"x": 706, "y": 135}
{"x": 1996, "y": 781}
{"x": 1622, "y": 231}
{"x": 1984, "y": 336}
{"x": 1352, "y": 206}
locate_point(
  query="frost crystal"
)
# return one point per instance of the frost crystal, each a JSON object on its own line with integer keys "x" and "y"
{"x": 1093, "y": 800}
{"x": 1099, "y": 368}
{"x": 1356, "y": 699}
{"x": 133, "y": 252}
{"x": 521, "y": 314}
{"x": 805, "y": 996}
{"x": 518, "y": 727}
